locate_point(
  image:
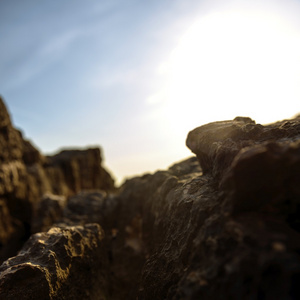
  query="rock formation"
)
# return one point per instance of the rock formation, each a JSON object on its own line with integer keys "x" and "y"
{"x": 55, "y": 265}
{"x": 222, "y": 225}
{"x": 26, "y": 176}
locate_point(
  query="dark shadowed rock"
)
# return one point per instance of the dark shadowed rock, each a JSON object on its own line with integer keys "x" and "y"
{"x": 193, "y": 238}
{"x": 216, "y": 144}
{"x": 86, "y": 207}
{"x": 49, "y": 210}
{"x": 81, "y": 170}
{"x": 173, "y": 235}
{"x": 228, "y": 229}
{"x": 10, "y": 139}
{"x": 31, "y": 155}
{"x": 12, "y": 232}
{"x": 266, "y": 178}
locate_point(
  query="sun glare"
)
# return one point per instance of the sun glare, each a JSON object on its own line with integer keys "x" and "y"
{"x": 234, "y": 63}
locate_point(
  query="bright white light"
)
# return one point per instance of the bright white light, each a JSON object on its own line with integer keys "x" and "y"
{"x": 233, "y": 63}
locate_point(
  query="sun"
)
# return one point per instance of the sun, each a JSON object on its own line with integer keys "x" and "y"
{"x": 234, "y": 63}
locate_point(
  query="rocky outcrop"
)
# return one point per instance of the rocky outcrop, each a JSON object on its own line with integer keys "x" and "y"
{"x": 221, "y": 225}
{"x": 55, "y": 265}
{"x": 216, "y": 144}
{"x": 26, "y": 176}
{"x": 48, "y": 211}
{"x": 80, "y": 170}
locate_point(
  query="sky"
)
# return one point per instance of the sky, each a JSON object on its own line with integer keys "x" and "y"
{"x": 135, "y": 76}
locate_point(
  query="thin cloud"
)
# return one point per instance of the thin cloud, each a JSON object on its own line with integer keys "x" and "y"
{"x": 45, "y": 55}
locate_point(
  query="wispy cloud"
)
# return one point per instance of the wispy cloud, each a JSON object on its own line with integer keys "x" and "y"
{"x": 57, "y": 45}
{"x": 43, "y": 56}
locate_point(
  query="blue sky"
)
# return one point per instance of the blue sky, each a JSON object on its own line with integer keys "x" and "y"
{"x": 126, "y": 75}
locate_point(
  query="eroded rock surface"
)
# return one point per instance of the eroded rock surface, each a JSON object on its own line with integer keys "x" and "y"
{"x": 80, "y": 170}
{"x": 230, "y": 233}
{"x": 48, "y": 211}
{"x": 228, "y": 229}
{"x": 56, "y": 265}
{"x": 26, "y": 176}
{"x": 216, "y": 144}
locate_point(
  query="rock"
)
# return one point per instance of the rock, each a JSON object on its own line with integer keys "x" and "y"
{"x": 87, "y": 207}
{"x": 10, "y": 139}
{"x": 173, "y": 235}
{"x": 56, "y": 265}
{"x": 31, "y": 155}
{"x": 216, "y": 144}
{"x": 193, "y": 237}
{"x": 227, "y": 228}
{"x": 49, "y": 210}
{"x": 12, "y": 232}
{"x": 81, "y": 170}
{"x": 26, "y": 176}
{"x": 266, "y": 178}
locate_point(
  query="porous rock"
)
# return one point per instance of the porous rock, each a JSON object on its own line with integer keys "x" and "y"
{"x": 49, "y": 210}
{"x": 230, "y": 231}
{"x": 227, "y": 228}
{"x": 216, "y": 144}
{"x": 81, "y": 169}
{"x": 266, "y": 178}
{"x": 58, "y": 264}
{"x": 26, "y": 176}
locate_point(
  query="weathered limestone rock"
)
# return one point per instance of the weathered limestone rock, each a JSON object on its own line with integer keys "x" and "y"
{"x": 193, "y": 237}
{"x": 228, "y": 229}
{"x": 266, "y": 178}
{"x": 87, "y": 207}
{"x": 49, "y": 210}
{"x": 216, "y": 144}
{"x": 11, "y": 231}
{"x": 173, "y": 235}
{"x": 81, "y": 170}
{"x": 26, "y": 175}
{"x": 10, "y": 139}
{"x": 56, "y": 265}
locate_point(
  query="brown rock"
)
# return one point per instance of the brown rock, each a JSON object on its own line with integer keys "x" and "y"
{"x": 226, "y": 230}
{"x": 49, "y": 210}
{"x": 86, "y": 207}
{"x": 58, "y": 264}
{"x": 11, "y": 232}
{"x": 82, "y": 170}
{"x": 173, "y": 235}
{"x": 216, "y": 144}
{"x": 10, "y": 139}
{"x": 26, "y": 175}
{"x": 266, "y": 177}
{"x": 190, "y": 238}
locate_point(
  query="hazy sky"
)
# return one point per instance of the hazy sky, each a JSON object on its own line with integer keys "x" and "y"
{"x": 135, "y": 76}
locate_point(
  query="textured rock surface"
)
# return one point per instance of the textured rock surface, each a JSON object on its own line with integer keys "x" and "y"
{"x": 26, "y": 175}
{"x": 195, "y": 238}
{"x": 216, "y": 144}
{"x": 55, "y": 265}
{"x": 49, "y": 210}
{"x": 228, "y": 229}
{"x": 80, "y": 169}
